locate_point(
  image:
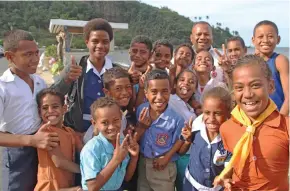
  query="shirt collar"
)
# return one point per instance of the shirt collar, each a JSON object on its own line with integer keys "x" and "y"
{"x": 210, "y": 50}
{"x": 107, "y": 145}
{"x": 273, "y": 120}
{"x": 9, "y": 77}
{"x": 203, "y": 134}
{"x": 108, "y": 64}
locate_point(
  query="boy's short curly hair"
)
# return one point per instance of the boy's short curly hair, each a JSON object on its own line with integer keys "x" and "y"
{"x": 98, "y": 24}
{"x": 142, "y": 39}
{"x": 163, "y": 42}
{"x": 112, "y": 74}
{"x": 266, "y": 22}
{"x": 102, "y": 103}
{"x": 12, "y": 38}
{"x": 185, "y": 45}
{"x": 155, "y": 74}
{"x": 49, "y": 91}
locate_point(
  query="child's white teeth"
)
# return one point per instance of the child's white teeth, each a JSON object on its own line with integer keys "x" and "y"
{"x": 51, "y": 117}
{"x": 158, "y": 104}
{"x": 184, "y": 90}
{"x": 250, "y": 103}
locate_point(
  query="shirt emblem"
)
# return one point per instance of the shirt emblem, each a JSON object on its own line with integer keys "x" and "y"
{"x": 161, "y": 139}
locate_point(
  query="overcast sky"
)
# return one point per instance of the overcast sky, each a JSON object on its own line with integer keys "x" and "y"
{"x": 236, "y": 14}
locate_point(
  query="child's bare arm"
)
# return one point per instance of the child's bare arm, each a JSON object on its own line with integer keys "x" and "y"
{"x": 60, "y": 161}
{"x": 184, "y": 148}
{"x": 120, "y": 154}
{"x": 134, "y": 153}
{"x": 282, "y": 65}
{"x": 42, "y": 139}
{"x": 140, "y": 95}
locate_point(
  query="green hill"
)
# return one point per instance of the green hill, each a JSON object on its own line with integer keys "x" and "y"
{"x": 142, "y": 18}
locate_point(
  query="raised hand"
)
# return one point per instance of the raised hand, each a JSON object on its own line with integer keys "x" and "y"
{"x": 144, "y": 118}
{"x": 223, "y": 59}
{"x": 142, "y": 78}
{"x": 133, "y": 146}
{"x": 186, "y": 130}
{"x": 134, "y": 73}
{"x": 74, "y": 72}
{"x": 44, "y": 139}
{"x": 121, "y": 151}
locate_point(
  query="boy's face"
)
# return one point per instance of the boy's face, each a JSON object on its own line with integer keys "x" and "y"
{"x": 235, "y": 50}
{"x": 201, "y": 37}
{"x": 184, "y": 56}
{"x": 215, "y": 113}
{"x": 52, "y": 110}
{"x": 158, "y": 93}
{"x": 108, "y": 121}
{"x": 121, "y": 91}
{"x": 203, "y": 62}
{"x": 251, "y": 89}
{"x": 186, "y": 85}
{"x": 162, "y": 56}
{"x": 139, "y": 54}
{"x": 25, "y": 58}
{"x": 98, "y": 44}
{"x": 265, "y": 39}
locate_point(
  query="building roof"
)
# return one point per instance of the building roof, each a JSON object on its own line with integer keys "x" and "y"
{"x": 76, "y": 26}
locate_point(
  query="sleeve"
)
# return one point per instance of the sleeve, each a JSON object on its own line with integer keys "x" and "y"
{"x": 60, "y": 85}
{"x": 2, "y": 99}
{"x": 90, "y": 163}
{"x": 78, "y": 141}
{"x": 222, "y": 129}
{"x": 179, "y": 126}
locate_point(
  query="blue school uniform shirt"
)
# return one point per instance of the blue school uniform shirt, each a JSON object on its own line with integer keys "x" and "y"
{"x": 206, "y": 159}
{"x": 95, "y": 156}
{"x": 93, "y": 88}
{"x": 278, "y": 95}
{"x": 160, "y": 137}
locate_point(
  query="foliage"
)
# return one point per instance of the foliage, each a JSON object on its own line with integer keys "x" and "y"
{"x": 51, "y": 51}
{"x": 142, "y": 19}
{"x": 56, "y": 67}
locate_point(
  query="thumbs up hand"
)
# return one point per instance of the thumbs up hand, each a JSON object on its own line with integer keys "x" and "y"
{"x": 75, "y": 71}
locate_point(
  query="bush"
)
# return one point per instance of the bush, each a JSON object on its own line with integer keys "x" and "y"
{"x": 51, "y": 51}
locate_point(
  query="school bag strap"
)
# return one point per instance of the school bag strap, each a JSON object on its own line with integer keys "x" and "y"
{"x": 74, "y": 89}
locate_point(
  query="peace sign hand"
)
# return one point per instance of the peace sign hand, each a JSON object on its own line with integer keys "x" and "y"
{"x": 133, "y": 146}
{"x": 134, "y": 73}
{"x": 223, "y": 59}
{"x": 121, "y": 151}
{"x": 186, "y": 130}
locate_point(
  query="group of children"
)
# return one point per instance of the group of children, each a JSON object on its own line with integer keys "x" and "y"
{"x": 185, "y": 119}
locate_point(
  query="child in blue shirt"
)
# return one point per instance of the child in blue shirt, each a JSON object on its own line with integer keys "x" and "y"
{"x": 159, "y": 127}
{"x": 105, "y": 162}
{"x": 207, "y": 153}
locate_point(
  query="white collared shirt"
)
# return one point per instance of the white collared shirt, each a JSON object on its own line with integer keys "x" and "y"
{"x": 180, "y": 107}
{"x": 18, "y": 107}
{"x": 213, "y": 82}
{"x": 108, "y": 64}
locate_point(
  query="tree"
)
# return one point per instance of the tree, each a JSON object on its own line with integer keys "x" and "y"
{"x": 199, "y": 18}
{"x": 207, "y": 17}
